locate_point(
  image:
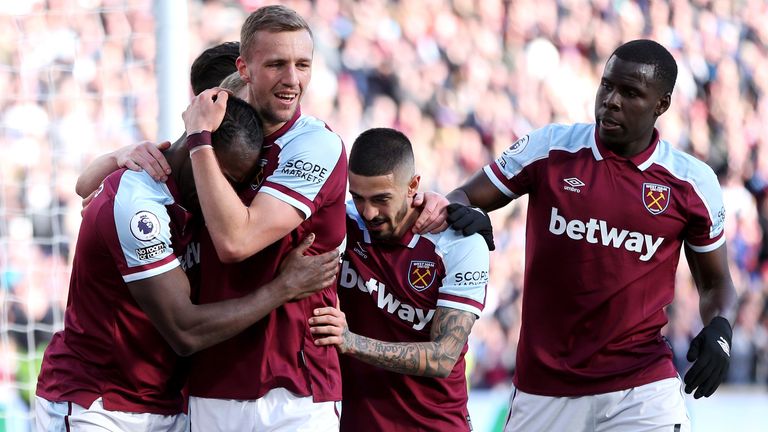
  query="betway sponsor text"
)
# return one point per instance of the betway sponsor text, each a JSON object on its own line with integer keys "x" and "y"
{"x": 596, "y": 231}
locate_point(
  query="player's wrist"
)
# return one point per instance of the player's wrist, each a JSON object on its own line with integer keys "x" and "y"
{"x": 198, "y": 140}
{"x": 722, "y": 326}
{"x": 118, "y": 156}
{"x": 346, "y": 345}
{"x": 196, "y": 131}
{"x": 282, "y": 289}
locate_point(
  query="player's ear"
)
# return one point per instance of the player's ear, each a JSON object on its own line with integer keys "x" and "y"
{"x": 663, "y": 104}
{"x": 242, "y": 69}
{"x": 413, "y": 185}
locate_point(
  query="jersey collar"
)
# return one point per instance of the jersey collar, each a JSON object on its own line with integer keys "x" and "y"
{"x": 409, "y": 239}
{"x": 642, "y": 160}
{"x": 271, "y": 138}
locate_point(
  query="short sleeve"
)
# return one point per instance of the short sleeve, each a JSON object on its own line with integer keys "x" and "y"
{"x": 509, "y": 171}
{"x": 143, "y": 246}
{"x": 466, "y": 261}
{"x": 706, "y": 222}
{"x": 308, "y": 163}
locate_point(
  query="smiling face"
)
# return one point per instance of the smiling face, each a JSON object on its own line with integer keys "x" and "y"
{"x": 627, "y": 104}
{"x": 384, "y": 203}
{"x": 277, "y": 68}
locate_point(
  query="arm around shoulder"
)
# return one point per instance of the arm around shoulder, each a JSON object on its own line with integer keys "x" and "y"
{"x": 285, "y": 199}
{"x": 266, "y": 220}
{"x": 145, "y": 155}
{"x": 480, "y": 192}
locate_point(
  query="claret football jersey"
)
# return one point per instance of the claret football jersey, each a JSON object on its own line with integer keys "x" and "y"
{"x": 390, "y": 292}
{"x": 304, "y": 165}
{"x": 132, "y": 230}
{"x": 603, "y": 240}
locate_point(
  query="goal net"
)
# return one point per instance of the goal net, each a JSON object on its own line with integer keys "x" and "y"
{"x": 77, "y": 81}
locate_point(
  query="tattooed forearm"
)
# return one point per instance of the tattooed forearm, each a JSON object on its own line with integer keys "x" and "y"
{"x": 436, "y": 358}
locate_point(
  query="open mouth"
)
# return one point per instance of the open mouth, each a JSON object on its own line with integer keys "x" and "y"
{"x": 609, "y": 125}
{"x": 287, "y": 98}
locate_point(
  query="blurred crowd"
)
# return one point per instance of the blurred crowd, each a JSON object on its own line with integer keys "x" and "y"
{"x": 462, "y": 78}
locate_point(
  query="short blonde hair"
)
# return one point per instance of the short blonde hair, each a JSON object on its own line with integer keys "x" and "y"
{"x": 273, "y": 18}
{"x": 233, "y": 82}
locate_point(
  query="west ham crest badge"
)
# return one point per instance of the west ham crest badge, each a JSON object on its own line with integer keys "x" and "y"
{"x": 656, "y": 197}
{"x": 421, "y": 274}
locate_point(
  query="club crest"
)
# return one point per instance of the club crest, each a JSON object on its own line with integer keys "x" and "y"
{"x": 656, "y": 197}
{"x": 421, "y": 274}
{"x": 259, "y": 177}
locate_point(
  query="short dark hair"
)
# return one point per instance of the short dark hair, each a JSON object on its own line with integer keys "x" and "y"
{"x": 646, "y": 51}
{"x": 213, "y": 65}
{"x": 241, "y": 127}
{"x": 380, "y": 151}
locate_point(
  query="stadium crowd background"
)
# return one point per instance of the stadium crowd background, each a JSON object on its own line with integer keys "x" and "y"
{"x": 463, "y": 79}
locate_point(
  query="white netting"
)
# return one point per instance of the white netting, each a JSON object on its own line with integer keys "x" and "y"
{"x": 75, "y": 81}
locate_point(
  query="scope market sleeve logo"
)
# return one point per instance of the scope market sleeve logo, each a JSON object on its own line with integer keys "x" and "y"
{"x": 145, "y": 226}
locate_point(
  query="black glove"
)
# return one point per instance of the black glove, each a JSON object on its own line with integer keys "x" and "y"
{"x": 470, "y": 220}
{"x": 711, "y": 353}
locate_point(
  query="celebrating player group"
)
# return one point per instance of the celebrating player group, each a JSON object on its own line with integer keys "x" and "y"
{"x": 224, "y": 283}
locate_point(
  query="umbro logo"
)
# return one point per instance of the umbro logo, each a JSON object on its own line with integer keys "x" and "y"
{"x": 724, "y": 345}
{"x": 573, "y": 184}
{"x": 360, "y": 250}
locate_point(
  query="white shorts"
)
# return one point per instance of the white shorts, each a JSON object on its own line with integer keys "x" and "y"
{"x": 278, "y": 410}
{"x": 655, "y": 407}
{"x": 71, "y": 417}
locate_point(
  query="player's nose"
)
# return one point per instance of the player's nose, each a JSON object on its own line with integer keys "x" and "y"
{"x": 370, "y": 212}
{"x": 291, "y": 76}
{"x": 612, "y": 100}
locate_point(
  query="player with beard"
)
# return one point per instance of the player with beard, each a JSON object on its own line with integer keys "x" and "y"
{"x": 408, "y": 302}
